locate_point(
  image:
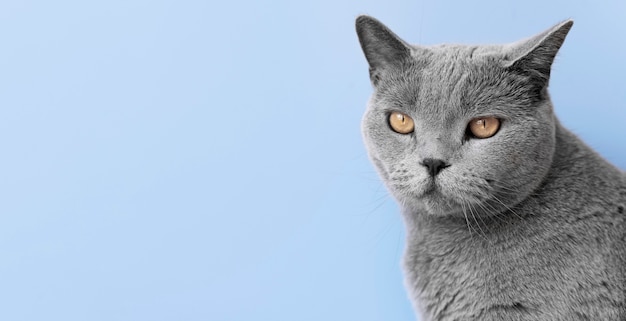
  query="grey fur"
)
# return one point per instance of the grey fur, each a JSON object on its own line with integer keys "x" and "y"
{"x": 529, "y": 224}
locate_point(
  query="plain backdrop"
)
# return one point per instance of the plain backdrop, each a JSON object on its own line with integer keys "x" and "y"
{"x": 202, "y": 160}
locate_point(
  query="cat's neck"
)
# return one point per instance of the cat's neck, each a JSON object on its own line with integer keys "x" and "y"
{"x": 575, "y": 162}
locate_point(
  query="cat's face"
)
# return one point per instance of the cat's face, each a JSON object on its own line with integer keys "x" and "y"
{"x": 417, "y": 124}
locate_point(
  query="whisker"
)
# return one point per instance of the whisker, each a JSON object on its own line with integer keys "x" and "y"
{"x": 508, "y": 208}
{"x": 504, "y": 189}
{"x": 469, "y": 228}
{"x": 484, "y": 235}
{"x": 492, "y": 212}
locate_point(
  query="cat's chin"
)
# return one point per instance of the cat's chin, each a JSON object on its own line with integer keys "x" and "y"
{"x": 436, "y": 204}
{"x": 432, "y": 202}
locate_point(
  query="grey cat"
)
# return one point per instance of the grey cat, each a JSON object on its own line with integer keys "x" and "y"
{"x": 509, "y": 215}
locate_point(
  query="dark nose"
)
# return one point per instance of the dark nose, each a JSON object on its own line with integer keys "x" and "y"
{"x": 434, "y": 165}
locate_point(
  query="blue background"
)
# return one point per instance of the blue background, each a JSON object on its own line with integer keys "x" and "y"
{"x": 193, "y": 160}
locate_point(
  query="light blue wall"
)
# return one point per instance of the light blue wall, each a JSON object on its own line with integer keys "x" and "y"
{"x": 194, "y": 160}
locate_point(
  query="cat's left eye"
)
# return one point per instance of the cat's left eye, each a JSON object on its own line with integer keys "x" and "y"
{"x": 401, "y": 123}
{"x": 484, "y": 127}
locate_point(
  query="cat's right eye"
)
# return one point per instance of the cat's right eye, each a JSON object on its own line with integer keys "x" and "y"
{"x": 401, "y": 123}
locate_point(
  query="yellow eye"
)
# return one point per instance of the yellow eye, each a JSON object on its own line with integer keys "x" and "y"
{"x": 484, "y": 127}
{"x": 401, "y": 123}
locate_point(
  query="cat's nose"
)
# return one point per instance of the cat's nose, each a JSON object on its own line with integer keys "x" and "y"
{"x": 434, "y": 165}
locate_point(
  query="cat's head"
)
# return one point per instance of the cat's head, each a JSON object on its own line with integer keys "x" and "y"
{"x": 453, "y": 128}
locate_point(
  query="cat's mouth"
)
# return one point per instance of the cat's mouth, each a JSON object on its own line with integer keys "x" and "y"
{"x": 434, "y": 193}
{"x": 431, "y": 189}
{"x": 428, "y": 188}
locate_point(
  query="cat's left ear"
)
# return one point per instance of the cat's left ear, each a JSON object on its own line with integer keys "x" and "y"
{"x": 534, "y": 56}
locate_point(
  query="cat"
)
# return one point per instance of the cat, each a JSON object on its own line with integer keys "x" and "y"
{"x": 509, "y": 216}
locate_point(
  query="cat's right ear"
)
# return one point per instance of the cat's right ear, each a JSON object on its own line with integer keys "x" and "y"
{"x": 382, "y": 48}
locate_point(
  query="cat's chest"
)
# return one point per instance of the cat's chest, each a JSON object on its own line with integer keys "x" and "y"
{"x": 456, "y": 282}
{"x": 522, "y": 278}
